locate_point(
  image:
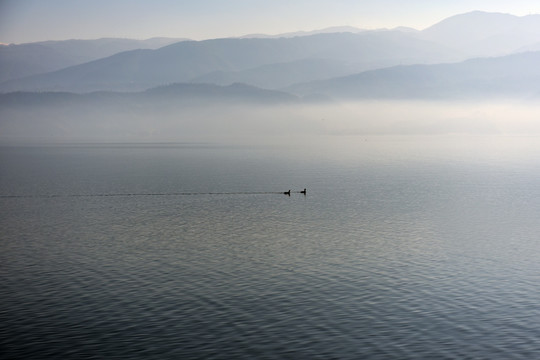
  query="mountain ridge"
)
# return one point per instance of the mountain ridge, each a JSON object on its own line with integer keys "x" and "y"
{"x": 507, "y": 76}
{"x": 184, "y": 61}
{"x": 276, "y": 63}
{"x": 512, "y": 76}
{"x": 175, "y": 92}
{"x": 481, "y": 33}
{"x": 21, "y": 60}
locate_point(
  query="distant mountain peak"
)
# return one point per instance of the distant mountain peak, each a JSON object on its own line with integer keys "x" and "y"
{"x": 481, "y": 33}
{"x": 487, "y": 18}
{"x": 329, "y": 30}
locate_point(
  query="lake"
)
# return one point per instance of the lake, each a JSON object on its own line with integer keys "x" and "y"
{"x": 402, "y": 248}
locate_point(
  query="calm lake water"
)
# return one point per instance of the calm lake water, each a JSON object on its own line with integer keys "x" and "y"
{"x": 403, "y": 248}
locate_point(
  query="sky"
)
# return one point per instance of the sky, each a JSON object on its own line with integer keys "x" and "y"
{"x": 38, "y": 20}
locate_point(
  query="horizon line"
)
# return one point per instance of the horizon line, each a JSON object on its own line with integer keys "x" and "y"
{"x": 256, "y": 34}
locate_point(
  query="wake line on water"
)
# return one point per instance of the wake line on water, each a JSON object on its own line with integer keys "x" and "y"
{"x": 44, "y": 196}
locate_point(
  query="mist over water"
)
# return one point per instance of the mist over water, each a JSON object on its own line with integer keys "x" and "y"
{"x": 229, "y": 122}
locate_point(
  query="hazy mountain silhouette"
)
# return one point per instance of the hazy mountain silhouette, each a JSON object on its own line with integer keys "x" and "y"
{"x": 175, "y": 94}
{"x": 237, "y": 92}
{"x": 279, "y": 75}
{"x": 515, "y": 75}
{"x": 263, "y": 62}
{"x": 330, "y": 30}
{"x": 173, "y": 110}
{"x": 485, "y": 34}
{"x": 185, "y": 61}
{"x": 20, "y": 60}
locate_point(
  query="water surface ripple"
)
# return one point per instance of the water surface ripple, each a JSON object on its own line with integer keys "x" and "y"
{"x": 415, "y": 255}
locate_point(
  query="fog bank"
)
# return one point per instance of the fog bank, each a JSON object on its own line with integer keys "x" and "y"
{"x": 253, "y": 123}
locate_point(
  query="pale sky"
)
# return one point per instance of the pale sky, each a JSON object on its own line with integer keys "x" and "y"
{"x": 37, "y": 20}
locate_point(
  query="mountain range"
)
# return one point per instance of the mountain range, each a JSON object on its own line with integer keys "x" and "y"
{"x": 479, "y": 34}
{"x": 516, "y": 75}
{"x": 21, "y": 60}
{"x": 189, "y": 60}
{"x": 472, "y": 54}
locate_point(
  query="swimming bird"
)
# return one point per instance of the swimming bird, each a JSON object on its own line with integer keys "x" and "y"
{"x": 288, "y": 192}
{"x": 303, "y": 192}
